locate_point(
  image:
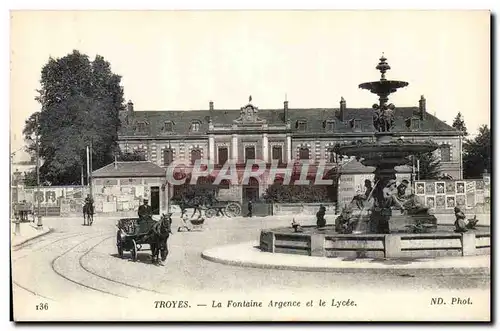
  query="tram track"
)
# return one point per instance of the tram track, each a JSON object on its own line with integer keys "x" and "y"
{"x": 31, "y": 291}
{"x": 80, "y": 261}
{"x": 59, "y": 239}
{"x": 60, "y": 274}
{"x": 39, "y": 248}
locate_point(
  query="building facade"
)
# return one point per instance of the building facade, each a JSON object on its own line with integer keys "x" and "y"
{"x": 285, "y": 135}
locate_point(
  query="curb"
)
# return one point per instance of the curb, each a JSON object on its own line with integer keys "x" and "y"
{"x": 50, "y": 230}
{"x": 401, "y": 271}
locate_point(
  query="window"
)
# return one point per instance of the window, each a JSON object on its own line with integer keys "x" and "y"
{"x": 301, "y": 125}
{"x": 223, "y": 155}
{"x": 195, "y": 126}
{"x": 415, "y": 124}
{"x": 329, "y": 126}
{"x": 357, "y": 125}
{"x": 168, "y": 126}
{"x": 277, "y": 153}
{"x": 304, "y": 153}
{"x": 249, "y": 153}
{"x": 168, "y": 156}
{"x": 141, "y": 127}
{"x": 195, "y": 155}
{"x": 331, "y": 156}
{"x": 445, "y": 153}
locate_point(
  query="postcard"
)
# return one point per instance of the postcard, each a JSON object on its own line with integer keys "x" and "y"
{"x": 250, "y": 166}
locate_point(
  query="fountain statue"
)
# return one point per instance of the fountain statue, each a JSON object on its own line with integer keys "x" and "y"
{"x": 377, "y": 214}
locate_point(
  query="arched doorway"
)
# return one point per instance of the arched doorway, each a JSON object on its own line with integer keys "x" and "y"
{"x": 251, "y": 191}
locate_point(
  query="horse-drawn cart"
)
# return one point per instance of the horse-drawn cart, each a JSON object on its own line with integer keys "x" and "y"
{"x": 223, "y": 208}
{"x": 132, "y": 234}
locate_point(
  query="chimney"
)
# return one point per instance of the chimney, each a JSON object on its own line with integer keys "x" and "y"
{"x": 130, "y": 106}
{"x": 421, "y": 106}
{"x": 211, "y": 105}
{"x": 342, "y": 109}
{"x": 285, "y": 111}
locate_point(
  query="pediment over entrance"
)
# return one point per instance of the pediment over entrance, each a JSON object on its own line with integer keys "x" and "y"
{"x": 249, "y": 114}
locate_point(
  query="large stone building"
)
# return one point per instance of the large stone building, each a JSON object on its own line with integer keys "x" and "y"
{"x": 285, "y": 134}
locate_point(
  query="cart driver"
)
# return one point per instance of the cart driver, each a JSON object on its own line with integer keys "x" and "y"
{"x": 145, "y": 212}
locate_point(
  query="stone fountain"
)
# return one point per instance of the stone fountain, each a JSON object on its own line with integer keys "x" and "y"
{"x": 388, "y": 225}
{"x": 385, "y": 152}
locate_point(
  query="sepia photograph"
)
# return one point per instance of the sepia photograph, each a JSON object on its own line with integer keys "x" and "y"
{"x": 250, "y": 165}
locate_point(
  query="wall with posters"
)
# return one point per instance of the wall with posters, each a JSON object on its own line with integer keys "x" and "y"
{"x": 443, "y": 196}
{"x": 110, "y": 195}
{"x": 54, "y": 200}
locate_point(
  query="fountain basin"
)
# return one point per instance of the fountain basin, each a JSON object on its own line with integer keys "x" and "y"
{"x": 327, "y": 243}
{"x": 383, "y": 86}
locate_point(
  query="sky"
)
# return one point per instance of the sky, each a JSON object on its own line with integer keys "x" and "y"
{"x": 180, "y": 60}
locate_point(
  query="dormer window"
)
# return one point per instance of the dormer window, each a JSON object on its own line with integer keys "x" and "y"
{"x": 195, "y": 126}
{"x": 168, "y": 126}
{"x": 355, "y": 124}
{"x": 301, "y": 125}
{"x": 142, "y": 127}
{"x": 415, "y": 124}
{"x": 329, "y": 125}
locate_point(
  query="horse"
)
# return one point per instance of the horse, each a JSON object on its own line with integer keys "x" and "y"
{"x": 158, "y": 236}
{"x": 88, "y": 213}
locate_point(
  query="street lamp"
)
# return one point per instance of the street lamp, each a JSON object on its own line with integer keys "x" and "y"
{"x": 39, "y": 217}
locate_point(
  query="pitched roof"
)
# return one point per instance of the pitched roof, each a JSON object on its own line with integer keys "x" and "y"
{"x": 129, "y": 169}
{"x": 315, "y": 118}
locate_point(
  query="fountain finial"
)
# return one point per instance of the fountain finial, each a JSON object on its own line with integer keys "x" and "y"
{"x": 383, "y": 66}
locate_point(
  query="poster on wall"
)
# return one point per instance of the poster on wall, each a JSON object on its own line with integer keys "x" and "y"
{"x": 479, "y": 185}
{"x": 440, "y": 201}
{"x": 420, "y": 188}
{"x": 460, "y": 200}
{"x": 450, "y": 202}
{"x": 450, "y": 187}
{"x": 430, "y": 188}
{"x": 440, "y": 188}
{"x": 470, "y": 198}
{"x": 471, "y": 186}
{"x": 460, "y": 187}
{"x": 431, "y": 202}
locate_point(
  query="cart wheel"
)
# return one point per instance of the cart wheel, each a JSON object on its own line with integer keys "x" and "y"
{"x": 210, "y": 213}
{"x": 133, "y": 251}
{"x": 119, "y": 244}
{"x": 164, "y": 253}
{"x": 233, "y": 209}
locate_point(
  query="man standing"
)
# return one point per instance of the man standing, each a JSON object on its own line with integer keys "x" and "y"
{"x": 250, "y": 207}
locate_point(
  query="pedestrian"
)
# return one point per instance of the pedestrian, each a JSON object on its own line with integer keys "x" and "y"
{"x": 320, "y": 217}
{"x": 250, "y": 208}
{"x": 184, "y": 223}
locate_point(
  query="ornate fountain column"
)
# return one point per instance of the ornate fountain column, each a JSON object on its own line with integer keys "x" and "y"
{"x": 385, "y": 153}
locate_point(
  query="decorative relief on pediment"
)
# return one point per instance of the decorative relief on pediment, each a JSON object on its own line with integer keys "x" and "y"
{"x": 249, "y": 114}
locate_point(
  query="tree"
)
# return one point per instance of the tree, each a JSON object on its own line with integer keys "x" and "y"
{"x": 477, "y": 154}
{"x": 459, "y": 124}
{"x": 30, "y": 178}
{"x": 80, "y": 104}
{"x": 430, "y": 166}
